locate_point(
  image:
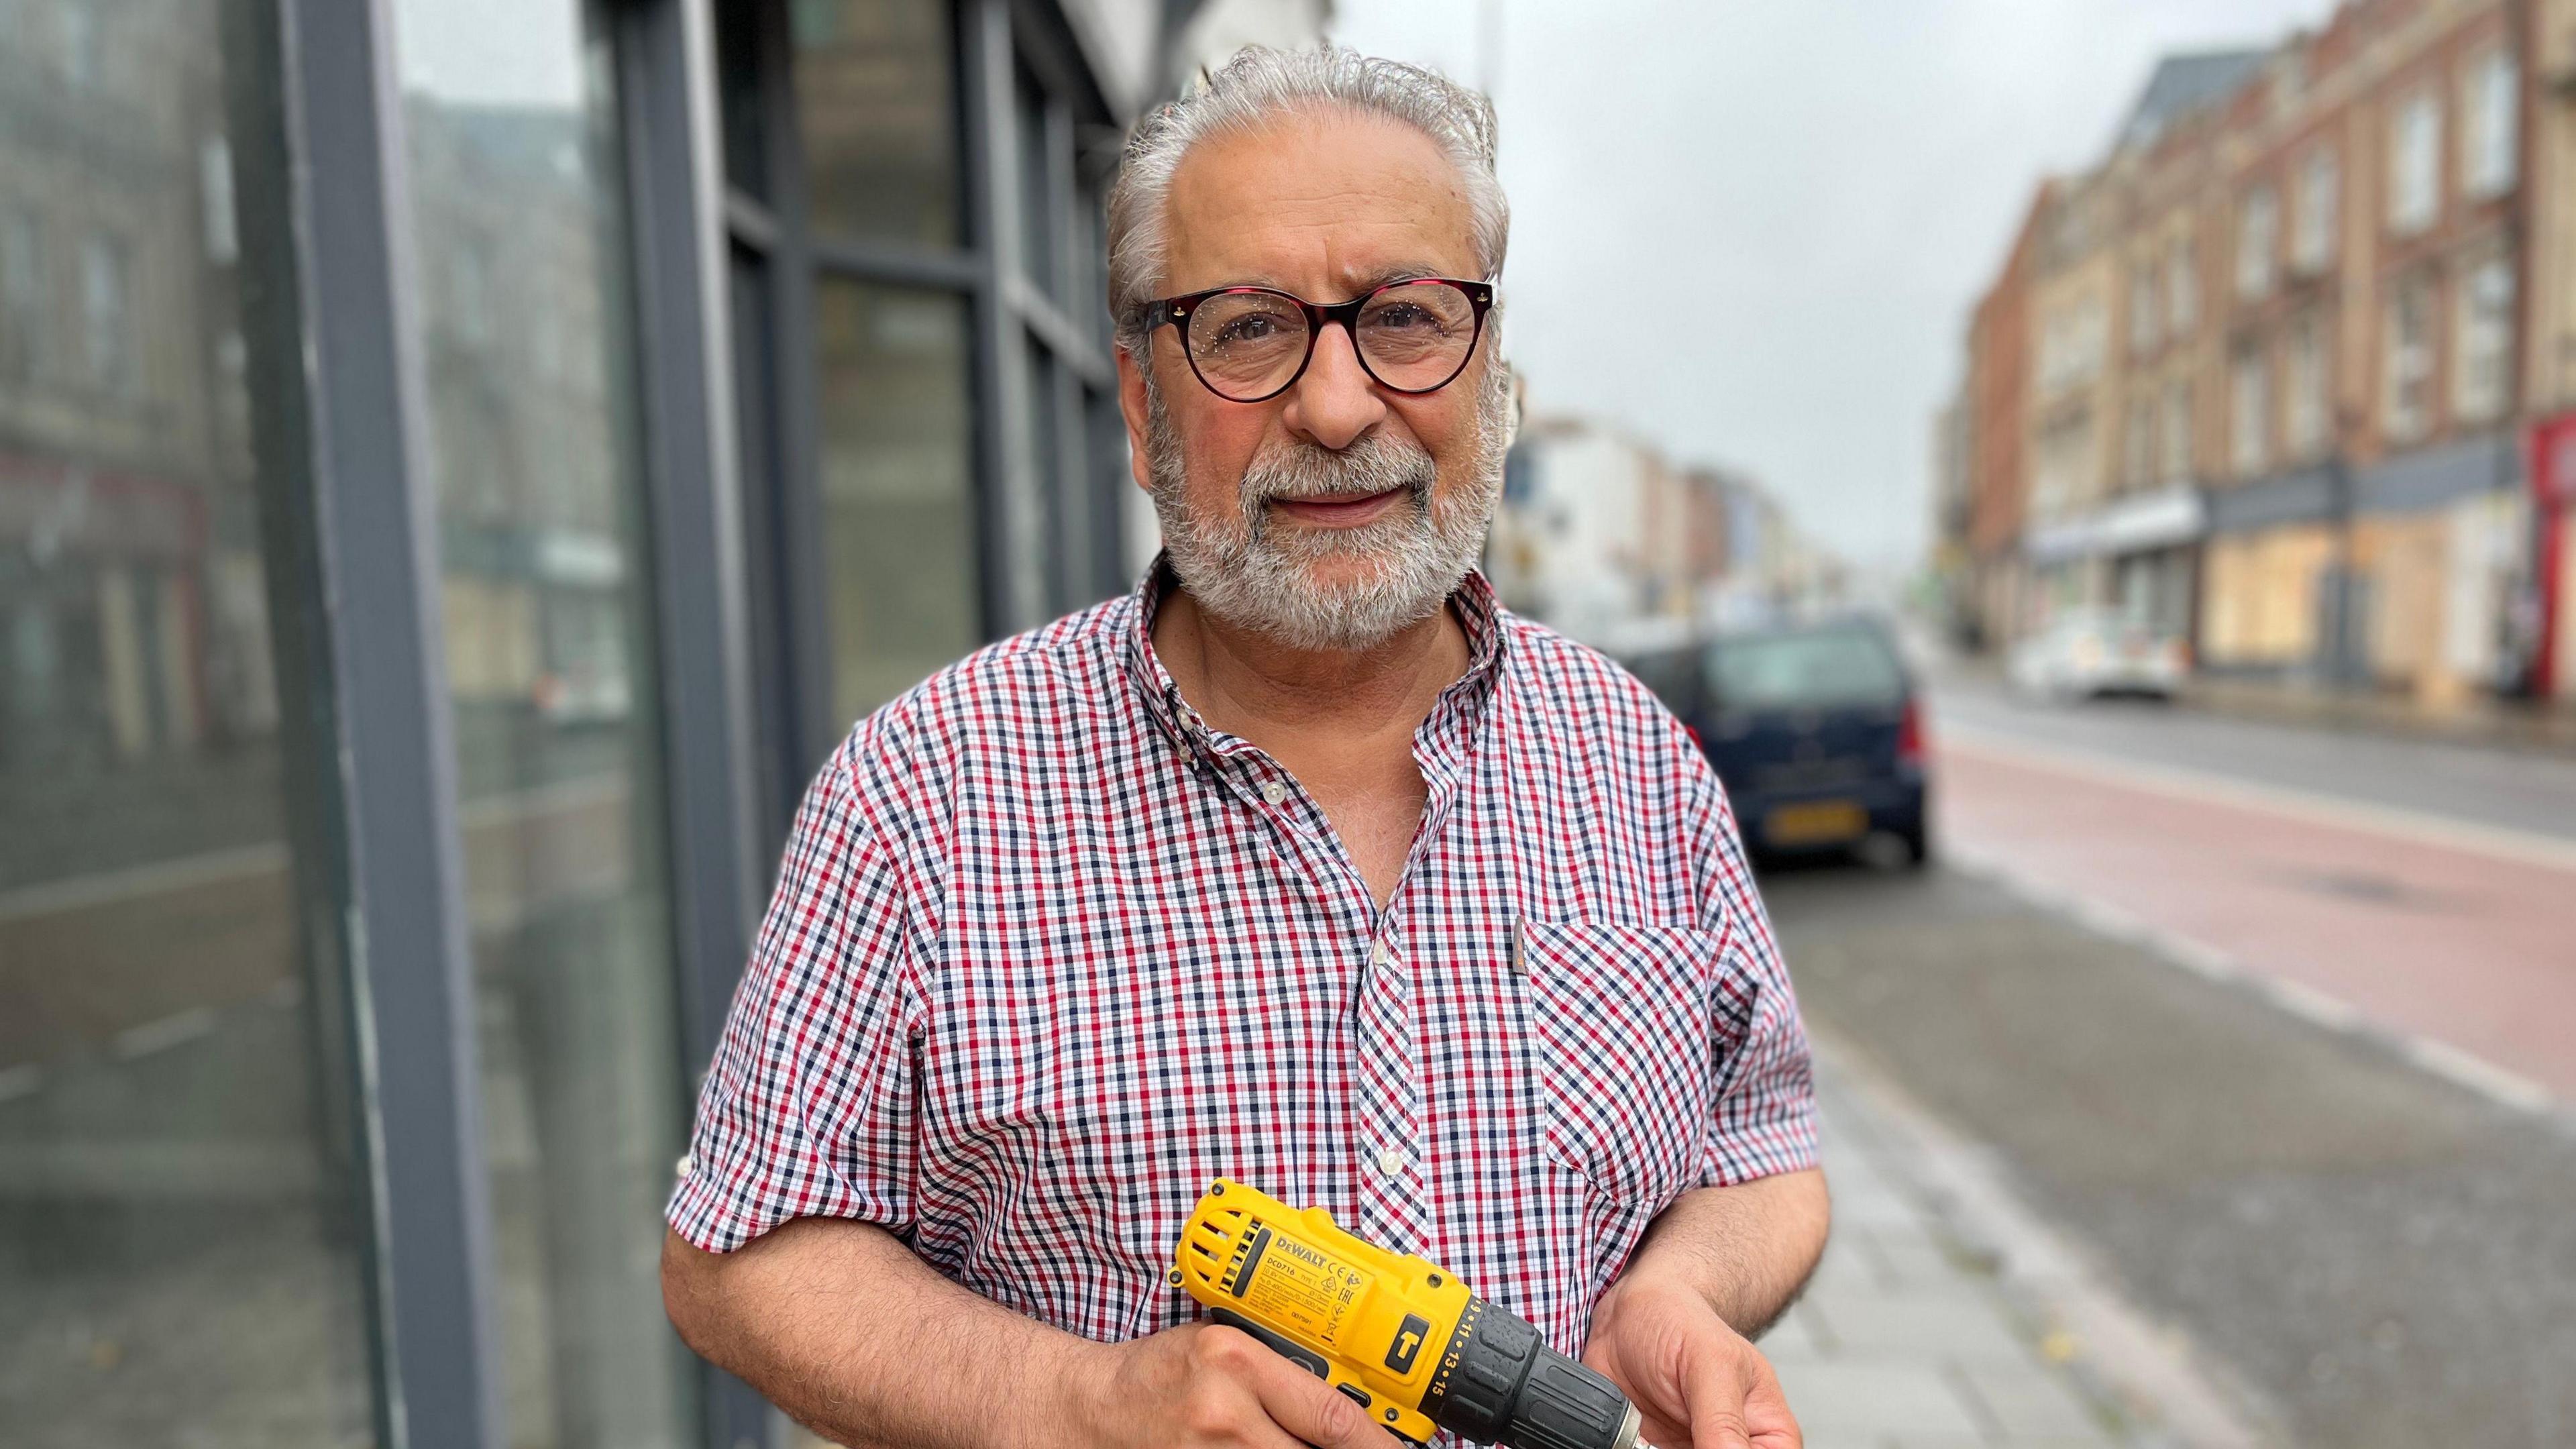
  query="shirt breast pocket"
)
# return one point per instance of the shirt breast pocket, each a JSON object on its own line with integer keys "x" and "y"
{"x": 1620, "y": 1024}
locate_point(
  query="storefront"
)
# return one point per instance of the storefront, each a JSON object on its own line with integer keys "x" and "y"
{"x": 461, "y": 467}
{"x": 2440, "y": 548}
{"x": 2271, "y": 598}
{"x": 2138, "y": 554}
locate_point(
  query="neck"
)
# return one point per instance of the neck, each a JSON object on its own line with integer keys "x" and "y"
{"x": 1246, "y": 683}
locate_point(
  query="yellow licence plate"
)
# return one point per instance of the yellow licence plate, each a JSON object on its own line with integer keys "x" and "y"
{"x": 1815, "y": 823}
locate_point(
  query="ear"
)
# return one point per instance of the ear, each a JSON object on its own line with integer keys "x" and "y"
{"x": 1131, "y": 406}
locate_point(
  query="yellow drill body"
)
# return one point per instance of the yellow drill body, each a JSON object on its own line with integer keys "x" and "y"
{"x": 1395, "y": 1333}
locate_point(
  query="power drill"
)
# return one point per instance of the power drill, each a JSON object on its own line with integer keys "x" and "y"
{"x": 1398, "y": 1336}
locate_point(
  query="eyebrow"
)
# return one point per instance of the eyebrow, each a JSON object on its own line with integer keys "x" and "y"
{"x": 1360, "y": 283}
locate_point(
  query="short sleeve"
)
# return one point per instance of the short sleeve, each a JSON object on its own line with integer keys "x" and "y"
{"x": 1763, "y": 1106}
{"x": 808, "y": 1110}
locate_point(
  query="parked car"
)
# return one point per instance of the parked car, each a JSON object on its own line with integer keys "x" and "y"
{"x": 2089, "y": 653}
{"x": 1816, "y": 731}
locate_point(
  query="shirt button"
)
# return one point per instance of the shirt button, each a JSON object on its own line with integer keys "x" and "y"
{"x": 1390, "y": 1162}
{"x": 1385, "y": 954}
{"x": 684, "y": 1166}
{"x": 1274, "y": 792}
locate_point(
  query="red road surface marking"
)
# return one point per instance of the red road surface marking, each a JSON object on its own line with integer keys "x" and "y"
{"x": 2471, "y": 948}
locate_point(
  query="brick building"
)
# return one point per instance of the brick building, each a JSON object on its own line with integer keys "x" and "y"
{"x": 2301, "y": 435}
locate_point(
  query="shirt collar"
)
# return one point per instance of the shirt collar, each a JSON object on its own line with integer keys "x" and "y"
{"x": 1479, "y": 614}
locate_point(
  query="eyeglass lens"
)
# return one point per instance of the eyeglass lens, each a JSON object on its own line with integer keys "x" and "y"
{"x": 1414, "y": 336}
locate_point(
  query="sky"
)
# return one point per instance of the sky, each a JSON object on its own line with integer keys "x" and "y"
{"x": 1749, "y": 231}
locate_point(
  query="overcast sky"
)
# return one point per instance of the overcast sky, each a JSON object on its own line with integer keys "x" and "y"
{"x": 1749, "y": 230}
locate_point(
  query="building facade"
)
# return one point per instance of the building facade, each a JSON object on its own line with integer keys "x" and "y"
{"x": 2327, "y": 257}
{"x": 2549, "y": 353}
{"x": 461, "y": 467}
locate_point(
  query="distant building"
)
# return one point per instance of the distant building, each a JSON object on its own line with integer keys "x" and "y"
{"x": 2278, "y": 340}
{"x": 1601, "y": 537}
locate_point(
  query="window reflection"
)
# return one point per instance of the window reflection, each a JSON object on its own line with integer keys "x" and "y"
{"x": 898, "y": 518}
{"x": 523, "y": 284}
{"x": 178, "y": 1258}
{"x": 877, "y": 113}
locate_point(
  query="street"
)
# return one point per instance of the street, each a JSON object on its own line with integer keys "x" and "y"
{"x": 2273, "y": 1022}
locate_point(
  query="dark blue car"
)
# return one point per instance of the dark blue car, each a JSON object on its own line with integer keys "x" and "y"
{"x": 1815, "y": 729}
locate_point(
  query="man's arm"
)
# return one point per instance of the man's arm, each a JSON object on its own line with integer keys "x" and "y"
{"x": 1747, "y": 1249}
{"x": 1715, "y": 1268}
{"x": 839, "y": 1324}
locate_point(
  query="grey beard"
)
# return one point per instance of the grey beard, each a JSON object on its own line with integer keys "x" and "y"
{"x": 1254, "y": 576}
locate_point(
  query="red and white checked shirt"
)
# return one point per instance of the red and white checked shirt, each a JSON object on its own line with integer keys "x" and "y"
{"x": 1048, "y": 954}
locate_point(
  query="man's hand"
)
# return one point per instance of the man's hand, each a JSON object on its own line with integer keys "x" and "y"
{"x": 1697, "y": 1383}
{"x": 1204, "y": 1386}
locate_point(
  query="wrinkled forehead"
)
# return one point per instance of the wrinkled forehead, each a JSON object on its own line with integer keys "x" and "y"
{"x": 1324, "y": 202}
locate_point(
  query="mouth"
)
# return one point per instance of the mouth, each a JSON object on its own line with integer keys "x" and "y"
{"x": 1340, "y": 510}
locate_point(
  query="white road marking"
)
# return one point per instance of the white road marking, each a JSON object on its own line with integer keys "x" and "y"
{"x": 2460, "y": 1068}
{"x": 2522, "y": 847}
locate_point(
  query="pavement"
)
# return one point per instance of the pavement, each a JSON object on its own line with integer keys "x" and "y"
{"x": 1946, "y": 1315}
{"x": 2269, "y": 1026}
{"x": 2476, "y": 719}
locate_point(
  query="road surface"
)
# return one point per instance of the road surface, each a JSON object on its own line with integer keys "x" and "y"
{"x": 2382, "y": 1255}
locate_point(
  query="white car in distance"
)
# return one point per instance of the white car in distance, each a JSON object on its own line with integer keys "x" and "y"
{"x": 2090, "y": 653}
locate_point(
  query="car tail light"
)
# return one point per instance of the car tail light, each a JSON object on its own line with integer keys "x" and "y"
{"x": 1909, "y": 734}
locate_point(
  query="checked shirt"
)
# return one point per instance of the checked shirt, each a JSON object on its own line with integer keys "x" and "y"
{"x": 1048, "y": 954}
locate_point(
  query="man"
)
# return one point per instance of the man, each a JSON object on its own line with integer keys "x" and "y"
{"x": 1303, "y": 865}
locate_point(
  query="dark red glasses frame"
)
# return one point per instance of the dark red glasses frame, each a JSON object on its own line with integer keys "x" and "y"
{"x": 1177, "y": 310}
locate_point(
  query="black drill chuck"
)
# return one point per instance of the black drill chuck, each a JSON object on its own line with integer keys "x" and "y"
{"x": 1499, "y": 1383}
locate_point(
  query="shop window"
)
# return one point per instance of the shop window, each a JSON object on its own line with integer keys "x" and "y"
{"x": 2482, "y": 378}
{"x": 1044, "y": 182}
{"x": 2415, "y": 162}
{"x": 524, "y": 284}
{"x": 896, "y": 461}
{"x": 876, "y": 105}
{"x": 181, "y": 1212}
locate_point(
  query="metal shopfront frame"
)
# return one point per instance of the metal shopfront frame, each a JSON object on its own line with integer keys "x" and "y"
{"x": 723, "y": 289}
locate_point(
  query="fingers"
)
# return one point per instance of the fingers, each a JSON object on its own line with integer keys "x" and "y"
{"x": 1733, "y": 1396}
{"x": 1312, "y": 1410}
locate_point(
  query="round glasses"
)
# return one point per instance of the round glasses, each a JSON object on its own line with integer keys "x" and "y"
{"x": 1250, "y": 344}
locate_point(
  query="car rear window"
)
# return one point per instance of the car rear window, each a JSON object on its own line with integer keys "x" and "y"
{"x": 1823, "y": 667}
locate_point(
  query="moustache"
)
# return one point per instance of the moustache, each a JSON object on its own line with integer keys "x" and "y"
{"x": 1309, "y": 471}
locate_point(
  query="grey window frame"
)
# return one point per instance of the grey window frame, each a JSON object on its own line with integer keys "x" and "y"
{"x": 730, "y": 481}
{"x": 768, "y": 227}
{"x": 430, "y": 1291}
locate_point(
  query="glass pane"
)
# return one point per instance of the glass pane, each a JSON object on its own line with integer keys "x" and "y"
{"x": 738, "y": 98}
{"x": 1038, "y": 169}
{"x": 522, "y": 277}
{"x": 876, "y": 108}
{"x": 179, "y": 1235}
{"x": 898, "y": 510}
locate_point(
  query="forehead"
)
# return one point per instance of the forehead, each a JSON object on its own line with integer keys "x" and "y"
{"x": 1322, "y": 202}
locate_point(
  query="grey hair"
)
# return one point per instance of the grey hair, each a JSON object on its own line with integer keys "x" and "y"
{"x": 1257, "y": 87}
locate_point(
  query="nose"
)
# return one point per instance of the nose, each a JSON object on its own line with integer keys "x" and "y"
{"x": 1335, "y": 403}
